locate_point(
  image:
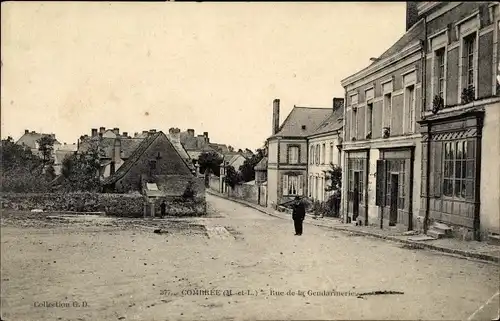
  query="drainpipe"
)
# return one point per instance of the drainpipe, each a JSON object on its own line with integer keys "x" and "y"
{"x": 343, "y": 202}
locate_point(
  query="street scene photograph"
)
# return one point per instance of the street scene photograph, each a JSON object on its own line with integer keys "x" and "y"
{"x": 204, "y": 160}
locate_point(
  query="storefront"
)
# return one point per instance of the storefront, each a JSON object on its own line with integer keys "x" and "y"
{"x": 357, "y": 177}
{"x": 394, "y": 181}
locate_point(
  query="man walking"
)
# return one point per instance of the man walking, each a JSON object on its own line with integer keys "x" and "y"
{"x": 298, "y": 215}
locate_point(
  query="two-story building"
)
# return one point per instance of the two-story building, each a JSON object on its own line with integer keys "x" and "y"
{"x": 287, "y": 152}
{"x": 324, "y": 149}
{"x": 461, "y": 119}
{"x": 381, "y": 179}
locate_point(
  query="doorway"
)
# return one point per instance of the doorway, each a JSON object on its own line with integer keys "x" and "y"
{"x": 355, "y": 198}
{"x": 394, "y": 193}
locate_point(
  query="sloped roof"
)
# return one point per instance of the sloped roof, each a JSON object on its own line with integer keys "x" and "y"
{"x": 29, "y": 139}
{"x": 181, "y": 151}
{"x": 59, "y": 155}
{"x": 221, "y": 148}
{"x": 331, "y": 124}
{"x": 233, "y": 159}
{"x": 310, "y": 117}
{"x": 413, "y": 33}
{"x": 128, "y": 146}
{"x": 136, "y": 155}
{"x": 262, "y": 165}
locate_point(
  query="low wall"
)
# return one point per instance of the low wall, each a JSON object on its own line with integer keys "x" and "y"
{"x": 122, "y": 205}
{"x": 214, "y": 183}
{"x": 249, "y": 193}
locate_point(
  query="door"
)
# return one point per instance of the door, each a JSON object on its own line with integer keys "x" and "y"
{"x": 355, "y": 198}
{"x": 393, "y": 213}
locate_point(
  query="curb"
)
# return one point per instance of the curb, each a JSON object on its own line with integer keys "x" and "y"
{"x": 414, "y": 244}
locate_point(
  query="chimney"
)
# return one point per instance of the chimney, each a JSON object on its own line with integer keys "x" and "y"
{"x": 136, "y": 134}
{"x": 94, "y": 132}
{"x": 117, "y": 151}
{"x": 411, "y": 13}
{"x": 152, "y": 131}
{"x": 338, "y": 103}
{"x": 191, "y": 132}
{"x": 102, "y": 130}
{"x": 144, "y": 131}
{"x": 125, "y": 134}
{"x": 26, "y": 131}
{"x": 276, "y": 116}
{"x": 175, "y": 135}
{"x": 116, "y": 131}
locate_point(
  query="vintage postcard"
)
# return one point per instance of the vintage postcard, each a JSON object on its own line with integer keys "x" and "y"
{"x": 204, "y": 160}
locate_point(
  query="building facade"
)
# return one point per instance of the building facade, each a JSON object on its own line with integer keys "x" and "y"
{"x": 381, "y": 179}
{"x": 287, "y": 152}
{"x": 324, "y": 146}
{"x": 461, "y": 120}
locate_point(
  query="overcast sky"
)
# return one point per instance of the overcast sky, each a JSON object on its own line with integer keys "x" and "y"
{"x": 215, "y": 67}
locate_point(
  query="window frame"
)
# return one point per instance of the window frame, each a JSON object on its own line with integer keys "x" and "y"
{"x": 291, "y": 147}
{"x": 449, "y": 167}
{"x": 369, "y": 117}
{"x": 409, "y": 128}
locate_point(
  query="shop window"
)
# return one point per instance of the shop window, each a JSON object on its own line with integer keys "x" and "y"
{"x": 459, "y": 169}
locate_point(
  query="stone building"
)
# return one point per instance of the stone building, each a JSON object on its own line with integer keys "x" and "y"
{"x": 324, "y": 149}
{"x": 287, "y": 152}
{"x": 461, "y": 119}
{"x": 381, "y": 179}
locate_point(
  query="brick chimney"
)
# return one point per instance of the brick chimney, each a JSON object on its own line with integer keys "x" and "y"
{"x": 136, "y": 134}
{"x": 205, "y": 134}
{"x": 94, "y": 132}
{"x": 116, "y": 131}
{"x": 26, "y": 131}
{"x": 411, "y": 14}
{"x": 125, "y": 134}
{"x": 191, "y": 132}
{"x": 338, "y": 103}
{"x": 144, "y": 131}
{"x": 152, "y": 131}
{"x": 276, "y": 116}
{"x": 102, "y": 130}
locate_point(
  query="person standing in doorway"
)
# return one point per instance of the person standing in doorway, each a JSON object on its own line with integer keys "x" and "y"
{"x": 298, "y": 215}
{"x": 163, "y": 209}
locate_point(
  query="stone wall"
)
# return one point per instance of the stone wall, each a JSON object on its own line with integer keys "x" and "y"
{"x": 122, "y": 205}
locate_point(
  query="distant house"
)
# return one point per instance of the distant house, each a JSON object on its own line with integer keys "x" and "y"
{"x": 195, "y": 145}
{"x": 287, "y": 151}
{"x": 30, "y": 139}
{"x": 155, "y": 156}
{"x": 236, "y": 161}
{"x": 261, "y": 171}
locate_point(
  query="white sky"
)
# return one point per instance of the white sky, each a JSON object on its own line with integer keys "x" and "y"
{"x": 215, "y": 67}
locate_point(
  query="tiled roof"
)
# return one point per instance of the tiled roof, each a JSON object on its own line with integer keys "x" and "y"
{"x": 29, "y": 139}
{"x": 332, "y": 123}
{"x": 262, "y": 165}
{"x": 128, "y": 145}
{"x": 221, "y": 148}
{"x": 127, "y": 165}
{"x": 309, "y": 117}
{"x": 136, "y": 155}
{"x": 413, "y": 33}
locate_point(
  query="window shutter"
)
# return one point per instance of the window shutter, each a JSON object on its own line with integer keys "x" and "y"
{"x": 299, "y": 185}
{"x": 285, "y": 184}
{"x": 380, "y": 189}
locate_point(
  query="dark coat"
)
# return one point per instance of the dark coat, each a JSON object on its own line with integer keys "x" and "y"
{"x": 299, "y": 211}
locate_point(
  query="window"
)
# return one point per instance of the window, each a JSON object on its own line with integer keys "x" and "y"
{"x": 410, "y": 103}
{"x": 292, "y": 184}
{"x": 387, "y": 109}
{"x": 309, "y": 190}
{"x": 293, "y": 154}
{"x": 355, "y": 123}
{"x": 369, "y": 118}
{"x": 459, "y": 169}
{"x": 397, "y": 167}
{"x": 311, "y": 155}
{"x": 317, "y": 155}
{"x": 470, "y": 46}
{"x": 323, "y": 153}
{"x": 440, "y": 71}
{"x": 356, "y": 165}
{"x": 331, "y": 153}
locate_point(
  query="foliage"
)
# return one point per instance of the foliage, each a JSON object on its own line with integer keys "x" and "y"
{"x": 247, "y": 169}
{"x": 81, "y": 170}
{"x": 21, "y": 170}
{"x": 334, "y": 175}
{"x": 468, "y": 95}
{"x": 232, "y": 177}
{"x": 46, "y": 147}
{"x": 210, "y": 161}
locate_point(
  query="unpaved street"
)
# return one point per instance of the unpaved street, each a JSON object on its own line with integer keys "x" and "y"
{"x": 117, "y": 269}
